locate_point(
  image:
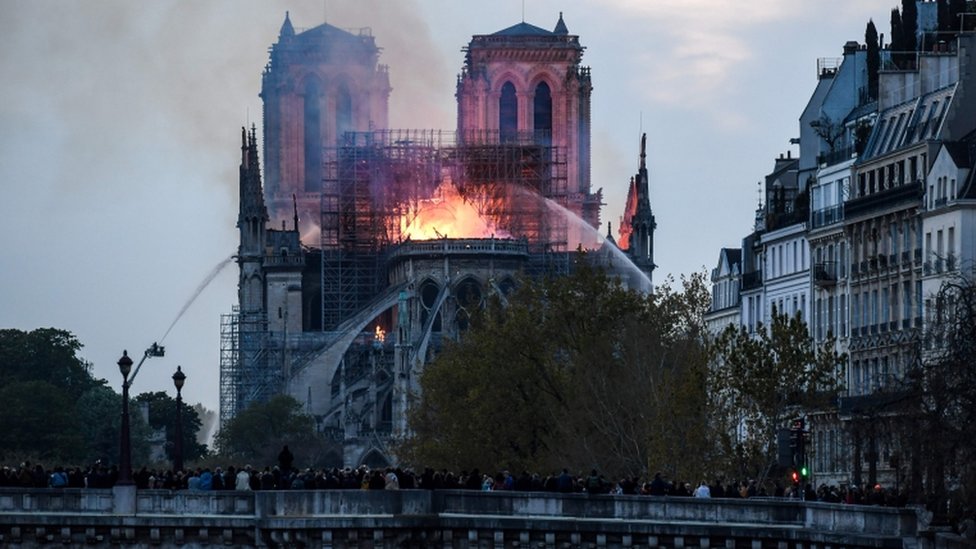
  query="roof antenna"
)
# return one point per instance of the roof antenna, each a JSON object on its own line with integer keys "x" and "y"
{"x": 523, "y": 11}
{"x": 325, "y": 11}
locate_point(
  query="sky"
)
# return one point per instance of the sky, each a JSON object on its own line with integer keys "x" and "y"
{"x": 120, "y": 139}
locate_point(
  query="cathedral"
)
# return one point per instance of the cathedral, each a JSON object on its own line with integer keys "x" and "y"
{"x": 363, "y": 247}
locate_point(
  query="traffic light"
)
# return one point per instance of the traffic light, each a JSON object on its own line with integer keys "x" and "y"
{"x": 795, "y": 476}
{"x": 804, "y": 472}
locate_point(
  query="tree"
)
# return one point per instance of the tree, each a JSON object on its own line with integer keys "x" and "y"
{"x": 162, "y": 415}
{"x": 574, "y": 372}
{"x": 909, "y": 25}
{"x": 38, "y": 421}
{"x": 873, "y": 60}
{"x": 897, "y": 46}
{"x": 99, "y": 413}
{"x": 45, "y": 354}
{"x": 936, "y": 414}
{"x": 258, "y": 433}
{"x": 764, "y": 379}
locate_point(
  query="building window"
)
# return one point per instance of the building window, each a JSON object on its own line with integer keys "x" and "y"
{"x": 312, "y": 136}
{"x": 343, "y": 112}
{"x": 508, "y": 113}
{"x": 542, "y": 109}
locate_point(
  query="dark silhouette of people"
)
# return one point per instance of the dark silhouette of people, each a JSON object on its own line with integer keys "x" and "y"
{"x": 285, "y": 459}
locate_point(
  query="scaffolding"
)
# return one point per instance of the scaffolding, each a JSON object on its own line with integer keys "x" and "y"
{"x": 249, "y": 361}
{"x": 373, "y": 180}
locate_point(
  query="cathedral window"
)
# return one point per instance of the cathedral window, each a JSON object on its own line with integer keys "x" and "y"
{"x": 343, "y": 112}
{"x": 542, "y": 109}
{"x": 508, "y": 113}
{"x": 313, "y": 137}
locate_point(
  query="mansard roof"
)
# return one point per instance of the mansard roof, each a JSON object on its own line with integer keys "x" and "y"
{"x": 914, "y": 121}
{"x": 963, "y": 153}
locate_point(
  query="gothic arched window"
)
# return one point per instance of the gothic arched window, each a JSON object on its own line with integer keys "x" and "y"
{"x": 508, "y": 113}
{"x": 542, "y": 107}
{"x": 343, "y": 113}
{"x": 313, "y": 136}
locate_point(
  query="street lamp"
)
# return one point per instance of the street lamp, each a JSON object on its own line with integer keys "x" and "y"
{"x": 125, "y": 450}
{"x": 178, "y": 379}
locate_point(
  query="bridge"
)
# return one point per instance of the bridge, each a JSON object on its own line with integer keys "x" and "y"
{"x": 443, "y": 518}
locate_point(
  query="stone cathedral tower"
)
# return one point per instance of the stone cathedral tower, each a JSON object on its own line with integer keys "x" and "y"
{"x": 526, "y": 81}
{"x": 318, "y": 84}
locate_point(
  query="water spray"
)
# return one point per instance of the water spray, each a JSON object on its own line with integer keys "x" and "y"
{"x": 203, "y": 285}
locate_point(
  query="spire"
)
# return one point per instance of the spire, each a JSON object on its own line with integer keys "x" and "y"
{"x": 294, "y": 203}
{"x": 643, "y": 152}
{"x": 560, "y": 26}
{"x": 287, "y": 31}
{"x": 251, "y": 195}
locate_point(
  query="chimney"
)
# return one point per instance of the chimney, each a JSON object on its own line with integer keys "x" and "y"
{"x": 850, "y": 47}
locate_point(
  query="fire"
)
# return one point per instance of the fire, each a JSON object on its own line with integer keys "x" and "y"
{"x": 380, "y": 335}
{"x": 445, "y": 215}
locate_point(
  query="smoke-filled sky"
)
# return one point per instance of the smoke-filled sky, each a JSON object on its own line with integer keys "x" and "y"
{"x": 120, "y": 134}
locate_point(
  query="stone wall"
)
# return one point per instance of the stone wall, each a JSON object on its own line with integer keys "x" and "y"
{"x": 417, "y": 518}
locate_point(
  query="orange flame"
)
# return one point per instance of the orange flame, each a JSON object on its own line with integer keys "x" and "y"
{"x": 380, "y": 335}
{"x": 445, "y": 215}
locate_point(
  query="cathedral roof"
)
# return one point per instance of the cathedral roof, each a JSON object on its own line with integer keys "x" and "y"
{"x": 524, "y": 29}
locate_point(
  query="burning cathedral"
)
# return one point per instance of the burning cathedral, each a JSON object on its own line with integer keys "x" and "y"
{"x": 363, "y": 247}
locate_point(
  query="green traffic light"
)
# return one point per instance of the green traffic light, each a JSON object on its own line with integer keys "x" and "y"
{"x": 804, "y": 472}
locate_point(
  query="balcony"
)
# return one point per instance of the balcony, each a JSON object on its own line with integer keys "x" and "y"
{"x": 899, "y": 196}
{"x": 939, "y": 202}
{"x": 827, "y": 216}
{"x": 825, "y": 273}
{"x": 751, "y": 280}
{"x": 836, "y": 157}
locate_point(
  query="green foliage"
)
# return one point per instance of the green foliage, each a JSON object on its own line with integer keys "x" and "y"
{"x": 257, "y": 434}
{"x": 162, "y": 415}
{"x": 873, "y": 60}
{"x": 909, "y": 25}
{"x": 574, "y": 372}
{"x": 763, "y": 379}
{"x": 38, "y": 420}
{"x": 45, "y": 354}
{"x": 897, "y": 39}
{"x": 99, "y": 413}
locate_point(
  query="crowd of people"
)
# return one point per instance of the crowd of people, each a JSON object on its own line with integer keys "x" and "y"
{"x": 285, "y": 476}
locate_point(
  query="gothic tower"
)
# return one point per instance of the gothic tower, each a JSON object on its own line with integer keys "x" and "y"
{"x": 317, "y": 85}
{"x": 638, "y": 224}
{"x": 528, "y": 81}
{"x": 251, "y": 219}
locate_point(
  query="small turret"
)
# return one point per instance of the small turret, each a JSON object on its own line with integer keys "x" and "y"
{"x": 561, "y": 26}
{"x": 287, "y": 31}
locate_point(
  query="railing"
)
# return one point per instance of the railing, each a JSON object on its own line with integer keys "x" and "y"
{"x": 836, "y": 157}
{"x": 461, "y": 246}
{"x": 825, "y": 273}
{"x": 284, "y": 260}
{"x": 442, "y": 518}
{"x": 751, "y": 280}
{"x": 827, "y": 216}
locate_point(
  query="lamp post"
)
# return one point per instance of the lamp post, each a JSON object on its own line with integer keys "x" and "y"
{"x": 125, "y": 450}
{"x": 178, "y": 379}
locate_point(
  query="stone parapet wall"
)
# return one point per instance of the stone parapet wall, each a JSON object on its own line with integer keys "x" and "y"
{"x": 417, "y": 518}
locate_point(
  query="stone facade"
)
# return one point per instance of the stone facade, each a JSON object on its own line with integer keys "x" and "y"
{"x": 461, "y": 519}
